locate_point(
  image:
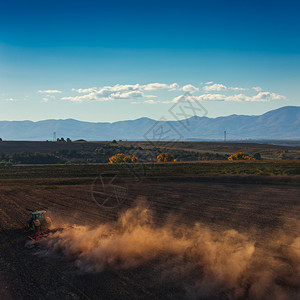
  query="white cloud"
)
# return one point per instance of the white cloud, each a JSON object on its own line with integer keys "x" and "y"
{"x": 119, "y": 91}
{"x": 267, "y": 96}
{"x": 209, "y": 82}
{"x": 127, "y": 95}
{"x": 260, "y": 97}
{"x": 159, "y": 86}
{"x": 237, "y": 88}
{"x": 44, "y": 100}
{"x": 10, "y": 99}
{"x": 77, "y": 98}
{"x": 238, "y": 98}
{"x": 50, "y": 91}
{"x": 221, "y": 87}
{"x": 154, "y": 86}
{"x": 215, "y": 87}
{"x": 121, "y": 87}
{"x": 189, "y": 88}
{"x": 257, "y": 88}
{"x": 174, "y": 87}
{"x": 205, "y": 97}
{"x": 136, "y": 92}
{"x": 106, "y": 95}
{"x": 83, "y": 91}
{"x": 210, "y": 97}
{"x": 178, "y": 98}
{"x": 131, "y": 87}
{"x": 150, "y": 101}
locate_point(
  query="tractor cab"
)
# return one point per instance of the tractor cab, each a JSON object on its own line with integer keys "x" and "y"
{"x": 39, "y": 220}
{"x": 38, "y": 215}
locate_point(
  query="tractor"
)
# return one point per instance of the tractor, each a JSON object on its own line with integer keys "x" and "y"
{"x": 41, "y": 226}
{"x": 39, "y": 221}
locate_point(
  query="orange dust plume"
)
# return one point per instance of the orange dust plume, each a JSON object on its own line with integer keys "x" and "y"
{"x": 204, "y": 261}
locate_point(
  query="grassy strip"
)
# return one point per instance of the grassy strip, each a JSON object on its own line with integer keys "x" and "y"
{"x": 266, "y": 168}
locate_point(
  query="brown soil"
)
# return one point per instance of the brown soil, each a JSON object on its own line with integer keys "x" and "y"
{"x": 225, "y": 203}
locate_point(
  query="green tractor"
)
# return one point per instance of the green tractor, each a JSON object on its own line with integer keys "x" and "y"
{"x": 39, "y": 221}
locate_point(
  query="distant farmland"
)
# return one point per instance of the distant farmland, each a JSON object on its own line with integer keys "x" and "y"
{"x": 26, "y": 152}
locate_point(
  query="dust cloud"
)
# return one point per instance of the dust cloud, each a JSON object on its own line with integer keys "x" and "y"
{"x": 205, "y": 262}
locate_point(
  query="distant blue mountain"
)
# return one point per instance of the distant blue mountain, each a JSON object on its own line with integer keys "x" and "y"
{"x": 282, "y": 123}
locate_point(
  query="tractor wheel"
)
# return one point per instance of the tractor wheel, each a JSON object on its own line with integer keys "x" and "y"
{"x": 36, "y": 225}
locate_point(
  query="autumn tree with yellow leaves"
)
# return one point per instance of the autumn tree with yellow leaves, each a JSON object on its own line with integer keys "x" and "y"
{"x": 165, "y": 157}
{"x": 121, "y": 158}
{"x": 240, "y": 156}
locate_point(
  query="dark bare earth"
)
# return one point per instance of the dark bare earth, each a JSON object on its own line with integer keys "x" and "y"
{"x": 256, "y": 207}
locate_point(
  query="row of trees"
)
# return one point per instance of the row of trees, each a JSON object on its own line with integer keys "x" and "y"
{"x": 115, "y": 155}
{"x": 122, "y": 158}
{"x": 167, "y": 157}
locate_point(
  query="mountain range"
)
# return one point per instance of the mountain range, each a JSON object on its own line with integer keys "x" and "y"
{"x": 282, "y": 123}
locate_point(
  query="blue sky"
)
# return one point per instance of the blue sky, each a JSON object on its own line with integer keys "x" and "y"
{"x": 118, "y": 60}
